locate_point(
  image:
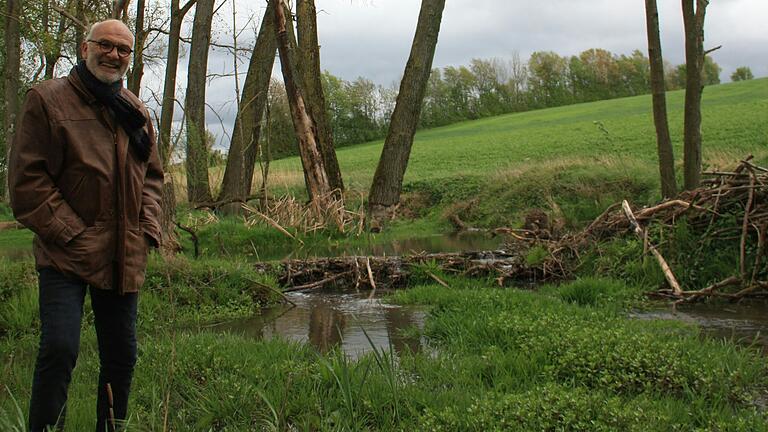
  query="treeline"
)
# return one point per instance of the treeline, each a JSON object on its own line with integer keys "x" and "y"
{"x": 360, "y": 110}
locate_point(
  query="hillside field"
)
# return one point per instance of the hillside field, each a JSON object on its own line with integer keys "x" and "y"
{"x": 587, "y": 150}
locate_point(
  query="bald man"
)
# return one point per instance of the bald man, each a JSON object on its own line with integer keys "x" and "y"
{"x": 85, "y": 177}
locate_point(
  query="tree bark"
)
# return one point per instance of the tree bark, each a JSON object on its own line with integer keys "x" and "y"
{"x": 137, "y": 70}
{"x": 318, "y": 186}
{"x": 693, "y": 20}
{"x": 663, "y": 140}
{"x": 12, "y": 36}
{"x": 169, "y": 87}
{"x": 309, "y": 56}
{"x": 388, "y": 179}
{"x": 198, "y": 185}
{"x": 79, "y": 32}
{"x": 243, "y": 148}
{"x": 52, "y": 51}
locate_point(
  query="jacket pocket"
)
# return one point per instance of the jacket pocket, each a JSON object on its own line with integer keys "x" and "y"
{"x": 87, "y": 255}
{"x": 136, "y": 250}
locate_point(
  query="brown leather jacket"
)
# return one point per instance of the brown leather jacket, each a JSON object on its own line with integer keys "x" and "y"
{"x": 93, "y": 205}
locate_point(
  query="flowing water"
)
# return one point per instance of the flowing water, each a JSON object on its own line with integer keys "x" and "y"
{"x": 350, "y": 321}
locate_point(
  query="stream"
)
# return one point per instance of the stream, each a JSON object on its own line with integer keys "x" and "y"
{"x": 744, "y": 324}
{"x": 328, "y": 319}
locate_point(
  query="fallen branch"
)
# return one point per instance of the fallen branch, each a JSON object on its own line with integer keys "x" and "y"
{"x": 662, "y": 262}
{"x": 317, "y": 284}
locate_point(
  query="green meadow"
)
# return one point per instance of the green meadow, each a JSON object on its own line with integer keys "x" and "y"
{"x": 555, "y": 358}
{"x": 580, "y": 158}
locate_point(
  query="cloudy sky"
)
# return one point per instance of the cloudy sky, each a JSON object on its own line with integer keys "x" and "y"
{"x": 372, "y": 38}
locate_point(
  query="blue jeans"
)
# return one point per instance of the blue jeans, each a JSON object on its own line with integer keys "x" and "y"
{"x": 61, "y": 311}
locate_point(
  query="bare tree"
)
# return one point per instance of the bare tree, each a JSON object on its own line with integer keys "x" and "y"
{"x": 169, "y": 83}
{"x": 137, "y": 69}
{"x": 243, "y": 147}
{"x": 11, "y": 74}
{"x": 198, "y": 184}
{"x": 388, "y": 179}
{"x": 693, "y": 20}
{"x": 311, "y": 159}
{"x": 309, "y": 56}
{"x": 663, "y": 140}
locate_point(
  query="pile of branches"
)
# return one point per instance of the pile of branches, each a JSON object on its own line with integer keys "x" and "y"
{"x": 740, "y": 194}
{"x": 388, "y": 272}
{"x": 534, "y": 254}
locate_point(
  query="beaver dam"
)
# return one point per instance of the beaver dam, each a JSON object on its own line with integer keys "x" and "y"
{"x": 721, "y": 225}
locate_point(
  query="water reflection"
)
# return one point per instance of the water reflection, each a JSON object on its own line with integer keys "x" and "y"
{"x": 329, "y": 319}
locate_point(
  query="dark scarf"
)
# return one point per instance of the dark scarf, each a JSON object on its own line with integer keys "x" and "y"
{"x": 127, "y": 116}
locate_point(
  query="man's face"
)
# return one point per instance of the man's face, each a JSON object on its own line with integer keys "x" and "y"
{"x": 108, "y": 67}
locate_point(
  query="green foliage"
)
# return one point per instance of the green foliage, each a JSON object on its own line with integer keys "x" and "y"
{"x": 536, "y": 256}
{"x": 591, "y": 291}
{"x": 696, "y": 258}
{"x": 593, "y": 348}
{"x": 550, "y": 408}
{"x": 742, "y": 73}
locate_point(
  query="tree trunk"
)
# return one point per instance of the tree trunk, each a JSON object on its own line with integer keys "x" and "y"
{"x": 309, "y": 56}
{"x": 243, "y": 148}
{"x": 693, "y": 21}
{"x": 388, "y": 179}
{"x": 663, "y": 140}
{"x": 11, "y": 73}
{"x": 52, "y": 50}
{"x": 79, "y": 32}
{"x": 137, "y": 70}
{"x": 198, "y": 185}
{"x": 311, "y": 159}
{"x": 168, "y": 202}
{"x": 169, "y": 87}
{"x": 120, "y": 10}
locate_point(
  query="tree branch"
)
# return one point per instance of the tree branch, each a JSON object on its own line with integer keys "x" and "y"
{"x": 69, "y": 16}
{"x": 712, "y": 50}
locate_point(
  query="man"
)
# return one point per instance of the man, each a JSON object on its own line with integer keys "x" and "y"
{"x": 85, "y": 177}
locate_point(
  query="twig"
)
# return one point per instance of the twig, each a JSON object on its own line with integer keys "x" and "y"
{"x": 317, "y": 284}
{"x": 745, "y": 229}
{"x": 438, "y": 280}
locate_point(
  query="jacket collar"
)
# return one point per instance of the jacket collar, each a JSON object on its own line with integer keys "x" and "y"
{"x": 77, "y": 83}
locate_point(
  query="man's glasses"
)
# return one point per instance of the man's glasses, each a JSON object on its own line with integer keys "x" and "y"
{"x": 107, "y": 47}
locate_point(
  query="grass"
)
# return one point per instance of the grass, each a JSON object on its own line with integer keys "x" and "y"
{"x": 616, "y": 135}
{"x": 562, "y": 358}
{"x": 501, "y": 360}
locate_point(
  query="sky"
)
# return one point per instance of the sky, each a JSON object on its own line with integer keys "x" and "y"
{"x": 372, "y": 38}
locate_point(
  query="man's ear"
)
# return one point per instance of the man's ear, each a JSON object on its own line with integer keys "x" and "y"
{"x": 84, "y": 49}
